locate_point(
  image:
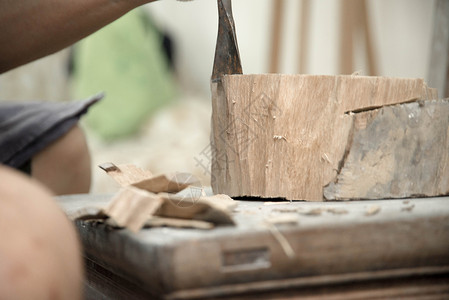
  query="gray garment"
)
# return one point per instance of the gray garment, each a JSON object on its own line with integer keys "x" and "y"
{"x": 28, "y": 127}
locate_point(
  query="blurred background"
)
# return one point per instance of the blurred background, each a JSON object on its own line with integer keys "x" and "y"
{"x": 154, "y": 66}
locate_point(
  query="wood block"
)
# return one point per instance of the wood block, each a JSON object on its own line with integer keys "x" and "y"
{"x": 285, "y": 136}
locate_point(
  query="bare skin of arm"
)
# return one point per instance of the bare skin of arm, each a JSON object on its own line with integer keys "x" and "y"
{"x": 31, "y": 29}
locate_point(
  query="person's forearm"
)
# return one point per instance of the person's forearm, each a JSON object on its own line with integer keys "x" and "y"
{"x": 30, "y": 29}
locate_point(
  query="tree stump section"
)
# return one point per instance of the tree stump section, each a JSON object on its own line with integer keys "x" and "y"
{"x": 314, "y": 138}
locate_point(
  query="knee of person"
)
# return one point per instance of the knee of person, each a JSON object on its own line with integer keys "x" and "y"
{"x": 64, "y": 166}
{"x": 40, "y": 253}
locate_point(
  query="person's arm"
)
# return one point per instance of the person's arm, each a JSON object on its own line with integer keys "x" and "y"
{"x": 31, "y": 29}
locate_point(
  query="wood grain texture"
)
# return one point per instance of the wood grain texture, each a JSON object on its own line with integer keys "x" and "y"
{"x": 286, "y": 135}
{"x": 438, "y": 72}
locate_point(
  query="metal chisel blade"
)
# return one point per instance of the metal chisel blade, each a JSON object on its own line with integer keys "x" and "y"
{"x": 227, "y": 56}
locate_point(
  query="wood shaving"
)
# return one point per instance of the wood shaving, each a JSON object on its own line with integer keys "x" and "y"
{"x": 337, "y": 211}
{"x": 313, "y": 212}
{"x": 408, "y": 208}
{"x": 372, "y": 210}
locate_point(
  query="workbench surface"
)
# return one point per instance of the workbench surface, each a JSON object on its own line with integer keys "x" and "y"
{"x": 401, "y": 244}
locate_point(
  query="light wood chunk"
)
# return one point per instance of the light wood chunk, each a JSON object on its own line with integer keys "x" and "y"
{"x": 167, "y": 183}
{"x": 132, "y": 207}
{"x": 125, "y": 174}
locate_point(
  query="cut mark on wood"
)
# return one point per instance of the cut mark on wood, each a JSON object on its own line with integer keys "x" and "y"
{"x": 370, "y": 108}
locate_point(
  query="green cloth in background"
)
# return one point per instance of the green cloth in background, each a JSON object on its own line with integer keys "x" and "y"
{"x": 125, "y": 60}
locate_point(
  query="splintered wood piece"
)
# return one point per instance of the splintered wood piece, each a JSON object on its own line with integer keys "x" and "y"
{"x": 125, "y": 174}
{"x": 131, "y": 208}
{"x": 215, "y": 209}
{"x": 178, "y": 223}
{"x": 168, "y": 183}
{"x": 286, "y": 136}
{"x": 398, "y": 151}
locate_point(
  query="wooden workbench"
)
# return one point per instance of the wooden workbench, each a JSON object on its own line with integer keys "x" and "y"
{"x": 344, "y": 250}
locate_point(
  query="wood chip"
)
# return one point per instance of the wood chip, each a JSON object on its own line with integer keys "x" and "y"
{"x": 216, "y": 209}
{"x": 168, "y": 183}
{"x": 178, "y": 223}
{"x": 129, "y": 174}
{"x": 372, "y": 210}
{"x": 313, "y": 212}
{"x": 131, "y": 208}
{"x": 408, "y": 208}
{"x": 337, "y": 211}
{"x": 126, "y": 174}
